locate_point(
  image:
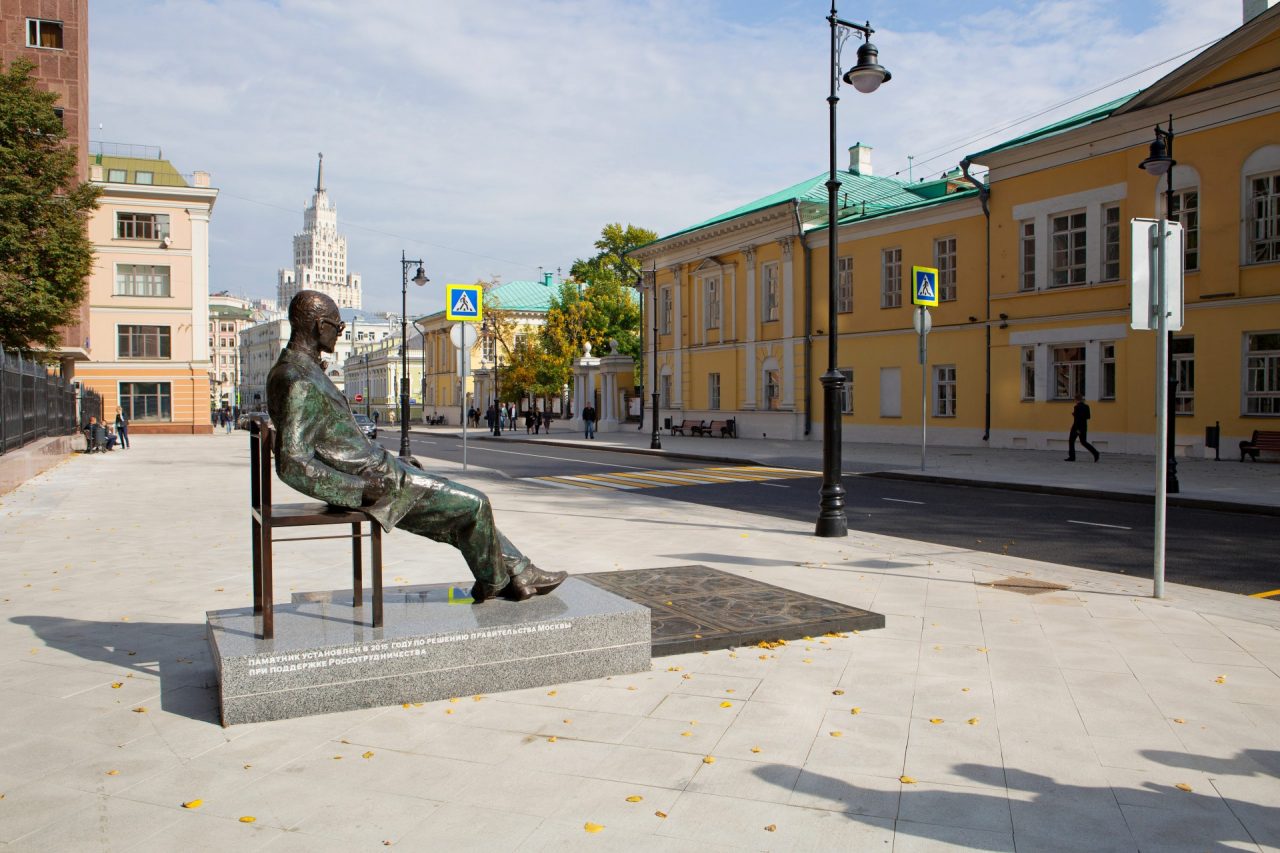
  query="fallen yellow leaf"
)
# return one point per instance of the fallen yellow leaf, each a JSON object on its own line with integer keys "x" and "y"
{"x": 808, "y": 660}
{"x": 1221, "y": 679}
{"x": 551, "y": 739}
{"x": 755, "y": 749}
{"x": 936, "y": 720}
{"x": 566, "y": 722}
{"x": 453, "y": 699}
{"x": 634, "y": 798}
{"x": 659, "y": 814}
{"x": 726, "y": 704}
{"x": 1178, "y": 720}
{"x": 906, "y": 780}
{"x": 193, "y": 804}
{"x": 448, "y": 710}
{"x": 666, "y": 602}
{"x": 983, "y": 649}
{"x": 730, "y": 690}
{"x": 673, "y": 669}
{"x": 116, "y": 685}
{"x": 686, "y": 734}
{"x": 964, "y": 689}
{"x": 973, "y": 721}
{"x": 337, "y": 758}
{"x": 247, "y": 766}
{"x": 367, "y": 754}
{"x": 405, "y": 705}
{"x": 686, "y": 676}
{"x": 710, "y": 759}
{"x": 773, "y": 827}
{"x": 697, "y": 636}
{"x": 592, "y": 827}
{"x": 113, "y": 772}
{"x": 551, "y": 692}
{"x": 836, "y": 734}
{"x": 141, "y": 709}
{"x": 248, "y": 818}
{"x": 477, "y": 698}
{"x": 1183, "y": 786}
{"x": 855, "y": 710}
{"x": 837, "y": 692}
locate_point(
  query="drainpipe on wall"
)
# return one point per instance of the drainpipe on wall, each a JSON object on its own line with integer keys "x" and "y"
{"x": 984, "y": 196}
{"x": 808, "y": 322}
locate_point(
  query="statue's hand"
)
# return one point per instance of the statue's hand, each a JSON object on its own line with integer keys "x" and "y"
{"x": 375, "y": 489}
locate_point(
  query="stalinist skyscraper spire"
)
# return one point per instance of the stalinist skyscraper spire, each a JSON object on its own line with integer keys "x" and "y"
{"x": 320, "y": 254}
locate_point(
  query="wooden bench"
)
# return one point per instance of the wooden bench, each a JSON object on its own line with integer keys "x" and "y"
{"x": 694, "y": 427}
{"x": 1263, "y": 439}
{"x": 267, "y": 517}
{"x": 721, "y": 428}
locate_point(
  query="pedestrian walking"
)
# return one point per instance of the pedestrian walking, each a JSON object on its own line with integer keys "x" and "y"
{"x": 589, "y": 420}
{"x": 537, "y": 420}
{"x": 546, "y": 422}
{"x": 122, "y": 429}
{"x": 1080, "y": 430}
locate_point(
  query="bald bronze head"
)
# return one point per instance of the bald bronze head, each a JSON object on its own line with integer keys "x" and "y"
{"x": 315, "y": 323}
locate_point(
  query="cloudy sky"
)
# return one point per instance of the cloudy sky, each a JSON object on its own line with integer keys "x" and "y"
{"x": 495, "y": 138}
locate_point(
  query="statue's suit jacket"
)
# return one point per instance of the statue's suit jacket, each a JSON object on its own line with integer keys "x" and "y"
{"x": 320, "y": 450}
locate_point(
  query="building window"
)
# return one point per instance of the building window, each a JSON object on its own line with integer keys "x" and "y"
{"x": 116, "y": 176}
{"x": 1069, "y": 239}
{"x": 1027, "y": 272}
{"x": 146, "y": 401}
{"x": 846, "y": 391}
{"x": 489, "y": 349}
{"x": 142, "y": 226}
{"x": 713, "y": 303}
{"x": 1186, "y": 210}
{"x": 1068, "y": 372}
{"x": 665, "y": 390}
{"x": 1184, "y": 370}
{"x": 769, "y": 294}
{"x": 944, "y": 258}
{"x": 140, "y": 177}
{"x": 143, "y": 341}
{"x": 1264, "y": 218}
{"x": 1262, "y": 371}
{"x": 891, "y": 278}
{"x": 667, "y": 311}
{"x": 772, "y": 390}
{"x": 1111, "y": 242}
{"x": 844, "y": 286}
{"x": 141, "y": 280}
{"x": 944, "y": 391}
{"x": 1028, "y": 373}
{"x": 41, "y": 33}
{"x": 1108, "y": 372}
{"x": 713, "y": 390}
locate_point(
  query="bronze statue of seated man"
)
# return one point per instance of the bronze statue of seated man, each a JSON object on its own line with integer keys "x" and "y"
{"x": 322, "y": 452}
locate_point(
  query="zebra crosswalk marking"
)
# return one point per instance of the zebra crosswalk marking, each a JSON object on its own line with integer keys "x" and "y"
{"x": 629, "y": 480}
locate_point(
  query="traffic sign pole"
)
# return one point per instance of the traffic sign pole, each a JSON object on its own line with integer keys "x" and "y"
{"x": 1160, "y": 242}
{"x": 923, "y": 323}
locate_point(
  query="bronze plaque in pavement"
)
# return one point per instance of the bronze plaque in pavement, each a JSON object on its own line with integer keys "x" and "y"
{"x": 695, "y": 608}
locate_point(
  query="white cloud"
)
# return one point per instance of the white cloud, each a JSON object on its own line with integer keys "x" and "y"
{"x": 496, "y": 138}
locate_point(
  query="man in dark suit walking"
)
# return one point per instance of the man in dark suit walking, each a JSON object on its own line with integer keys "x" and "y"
{"x": 1080, "y": 430}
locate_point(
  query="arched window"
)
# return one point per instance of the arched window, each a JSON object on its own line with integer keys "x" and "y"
{"x": 1260, "y": 202}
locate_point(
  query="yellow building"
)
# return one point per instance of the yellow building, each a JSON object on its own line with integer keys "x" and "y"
{"x": 149, "y": 293}
{"x": 1034, "y": 281}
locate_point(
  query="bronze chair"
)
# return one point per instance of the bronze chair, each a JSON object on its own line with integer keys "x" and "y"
{"x": 266, "y": 518}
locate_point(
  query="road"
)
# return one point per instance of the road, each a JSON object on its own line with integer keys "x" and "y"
{"x": 1204, "y": 548}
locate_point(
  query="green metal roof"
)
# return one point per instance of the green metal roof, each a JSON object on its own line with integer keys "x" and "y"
{"x": 1087, "y": 117}
{"x": 230, "y": 312}
{"x": 523, "y": 295}
{"x": 162, "y": 171}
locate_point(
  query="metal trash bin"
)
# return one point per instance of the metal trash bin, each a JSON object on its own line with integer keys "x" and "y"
{"x": 1213, "y": 438}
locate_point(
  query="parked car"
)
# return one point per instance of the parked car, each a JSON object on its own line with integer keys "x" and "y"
{"x": 367, "y": 426}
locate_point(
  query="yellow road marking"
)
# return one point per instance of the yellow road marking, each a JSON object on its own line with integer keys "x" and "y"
{"x": 1272, "y": 594}
{"x": 673, "y": 477}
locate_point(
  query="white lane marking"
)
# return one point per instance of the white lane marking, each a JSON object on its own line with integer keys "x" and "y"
{"x": 1098, "y": 524}
{"x": 903, "y": 501}
{"x": 475, "y": 447}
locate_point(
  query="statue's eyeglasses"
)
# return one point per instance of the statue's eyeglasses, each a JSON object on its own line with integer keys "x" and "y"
{"x": 337, "y": 325}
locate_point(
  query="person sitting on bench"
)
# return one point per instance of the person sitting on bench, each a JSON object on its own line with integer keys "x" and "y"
{"x": 322, "y": 452}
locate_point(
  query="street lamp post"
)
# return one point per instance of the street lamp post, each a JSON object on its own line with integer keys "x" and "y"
{"x": 491, "y": 328}
{"x": 1161, "y": 163}
{"x": 419, "y": 279}
{"x": 655, "y": 441}
{"x": 368, "y": 387}
{"x": 866, "y": 77}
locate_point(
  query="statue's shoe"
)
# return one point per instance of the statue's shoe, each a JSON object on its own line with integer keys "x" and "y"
{"x": 532, "y": 581}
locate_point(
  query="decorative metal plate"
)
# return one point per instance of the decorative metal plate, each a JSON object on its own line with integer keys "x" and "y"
{"x": 697, "y": 607}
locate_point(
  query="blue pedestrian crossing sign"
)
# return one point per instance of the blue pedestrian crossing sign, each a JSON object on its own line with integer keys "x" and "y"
{"x": 464, "y": 302}
{"x": 924, "y": 289}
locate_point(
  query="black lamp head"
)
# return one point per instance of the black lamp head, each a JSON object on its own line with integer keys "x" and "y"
{"x": 868, "y": 74}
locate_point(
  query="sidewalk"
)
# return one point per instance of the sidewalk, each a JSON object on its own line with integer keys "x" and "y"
{"x": 1228, "y": 484}
{"x": 1090, "y": 718}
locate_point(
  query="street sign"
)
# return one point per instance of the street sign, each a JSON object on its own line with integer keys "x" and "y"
{"x": 464, "y": 302}
{"x": 923, "y": 321}
{"x": 924, "y": 286}
{"x": 359, "y": 398}
{"x": 1144, "y": 295}
{"x": 463, "y": 337}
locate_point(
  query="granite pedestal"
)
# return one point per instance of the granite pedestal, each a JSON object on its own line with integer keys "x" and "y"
{"x": 435, "y": 644}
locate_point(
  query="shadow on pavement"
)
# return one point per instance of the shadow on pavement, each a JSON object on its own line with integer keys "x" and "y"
{"x": 175, "y": 653}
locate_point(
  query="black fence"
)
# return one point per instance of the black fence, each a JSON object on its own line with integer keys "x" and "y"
{"x": 35, "y": 403}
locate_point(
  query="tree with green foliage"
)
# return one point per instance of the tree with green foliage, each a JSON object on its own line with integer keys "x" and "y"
{"x": 45, "y": 254}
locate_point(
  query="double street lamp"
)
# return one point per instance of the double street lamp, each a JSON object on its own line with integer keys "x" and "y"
{"x": 419, "y": 279}
{"x": 1160, "y": 163}
{"x": 866, "y": 76}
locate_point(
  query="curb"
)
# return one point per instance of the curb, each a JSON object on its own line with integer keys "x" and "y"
{"x": 640, "y": 451}
{"x": 1071, "y": 491}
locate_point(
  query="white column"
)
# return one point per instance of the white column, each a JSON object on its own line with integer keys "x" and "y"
{"x": 677, "y": 349}
{"x": 749, "y": 253}
{"x": 788, "y": 327}
{"x": 199, "y": 283}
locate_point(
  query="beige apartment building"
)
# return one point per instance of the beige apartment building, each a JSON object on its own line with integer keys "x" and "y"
{"x": 149, "y": 291}
{"x": 228, "y": 316}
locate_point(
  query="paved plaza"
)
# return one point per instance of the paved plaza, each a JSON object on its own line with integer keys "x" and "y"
{"x": 1085, "y": 718}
